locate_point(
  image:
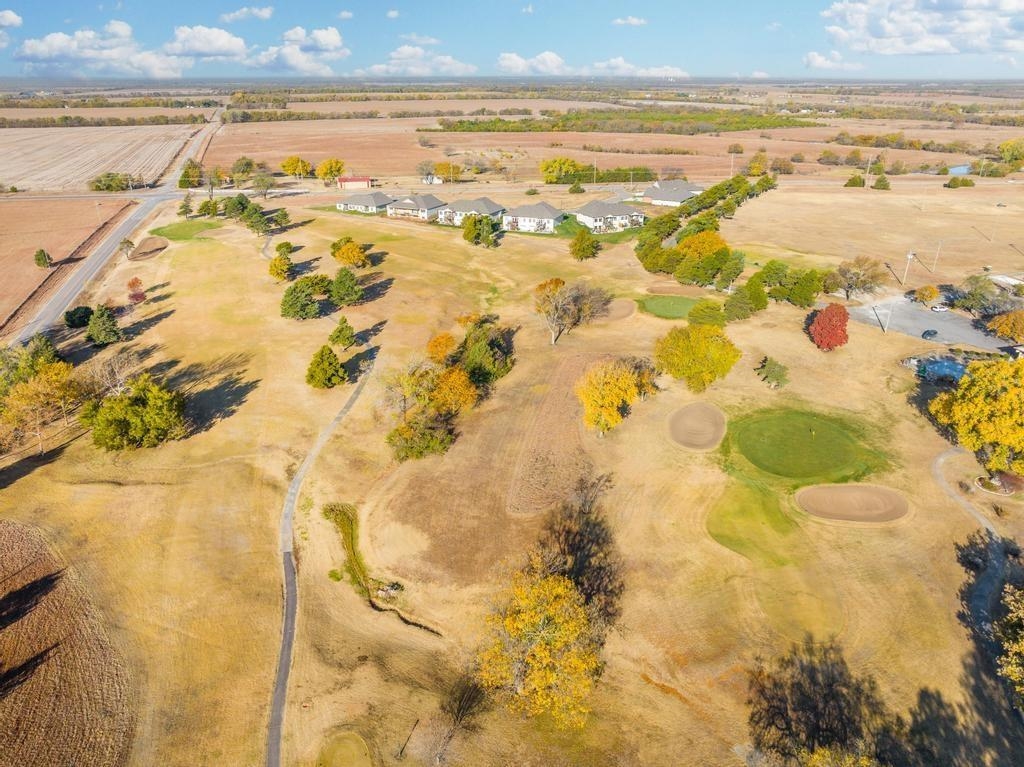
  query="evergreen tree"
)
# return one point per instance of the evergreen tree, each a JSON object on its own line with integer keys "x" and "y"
{"x": 706, "y": 312}
{"x": 343, "y": 335}
{"x": 102, "y": 328}
{"x": 325, "y": 370}
{"x": 185, "y": 209}
{"x": 191, "y": 175}
{"x": 345, "y": 289}
{"x": 738, "y": 306}
{"x": 584, "y": 245}
{"x": 280, "y": 267}
{"x": 298, "y": 303}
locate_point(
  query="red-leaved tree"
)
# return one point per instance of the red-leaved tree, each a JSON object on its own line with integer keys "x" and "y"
{"x": 828, "y": 329}
{"x": 135, "y": 292}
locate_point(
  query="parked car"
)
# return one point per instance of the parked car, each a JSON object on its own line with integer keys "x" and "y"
{"x": 940, "y": 308}
{"x": 929, "y": 334}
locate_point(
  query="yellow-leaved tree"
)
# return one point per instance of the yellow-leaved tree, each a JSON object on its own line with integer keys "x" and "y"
{"x": 926, "y": 294}
{"x": 296, "y": 166}
{"x": 351, "y": 254}
{"x": 986, "y": 412}
{"x": 1009, "y": 631}
{"x": 453, "y": 391}
{"x": 701, "y": 245}
{"x": 609, "y": 388}
{"x": 1009, "y": 325}
{"x": 330, "y": 169}
{"x": 559, "y": 168}
{"x": 698, "y": 354}
{"x": 440, "y": 347}
{"x": 542, "y": 655}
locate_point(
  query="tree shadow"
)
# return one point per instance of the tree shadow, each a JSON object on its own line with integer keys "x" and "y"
{"x": 160, "y": 298}
{"x": 375, "y": 290}
{"x": 192, "y": 374}
{"x": 139, "y": 327}
{"x": 25, "y": 466}
{"x": 358, "y": 364}
{"x": 158, "y": 286}
{"x": 13, "y": 677}
{"x": 376, "y": 257}
{"x": 305, "y": 267}
{"x": 366, "y": 335}
{"x": 16, "y": 604}
{"x": 921, "y": 396}
{"x": 207, "y": 407}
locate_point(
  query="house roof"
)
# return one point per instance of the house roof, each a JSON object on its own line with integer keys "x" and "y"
{"x": 367, "y": 179}
{"x": 418, "y": 202}
{"x": 537, "y": 210}
{"x": 481, "y": 205}
{"x": 601, "y": 209}
{"x": 672, "y": 190}
{"x": 371, "y": 200}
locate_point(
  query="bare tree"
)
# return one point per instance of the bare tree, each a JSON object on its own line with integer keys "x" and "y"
{"x": 563, "y": 307}
{"x": 110, "y": 375}
{"x": 464, "y": 700}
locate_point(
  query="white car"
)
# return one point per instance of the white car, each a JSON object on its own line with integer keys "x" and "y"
{"x": 940, "y": 308}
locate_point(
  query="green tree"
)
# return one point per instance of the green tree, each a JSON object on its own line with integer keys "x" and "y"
{"x": 328, "y": 170}
{"x": 125, "y": 247}
{"x": 263, "y": 182}
{"x": 213, "y": 178}
{"x": 281, "y": 218}
{"x": 806, "y": 289}
{"x": 1012, "y": 151}
{"x": 42, "y": 259}
{"x": 284, "y": 248}
{"x": 773, "y": 373}
{"x": 325, "y": 370}
{"x": 299, "y": 303}
{"x": 345, "y": 289}
{"x": 242, "y": 170}
{"x": 77, "y": 317}
{"x": 185, "y": 209}
{"x": 1009, "y": 630}
{"x": 145, "y": 415}
{"x": 881, "y": 183}
{"x": 576, "y": 187}
{"x": 706, "y": 312}
{"x": 343, "y": 335}
{"x": 102, "y": 328}
{"x": 584, "y": 245}
{"x": 697, "y": 354}
{"x": 280, "y": 267}
{"x": 755, "y": 289}
{"x": 856, "y": 180}
{"x": 976, "y": 294}
{"x": 296, "y": 166}
{"x": 207, "y": 208}
{"x": 861, "y": 275}
{"x": 738, "y": 306}
{"x": 191, "y": 175}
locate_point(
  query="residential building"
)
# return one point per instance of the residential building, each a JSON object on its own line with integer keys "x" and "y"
{"x": 422, "y": 206}
{"x": 671, "y": 193}
{"x": 599, "y": 216}
{"x": 354, "y": 182}
{"x": 373, "y": 202}
{"x": 453, "y": 213}
{"x": 540, "y": 217}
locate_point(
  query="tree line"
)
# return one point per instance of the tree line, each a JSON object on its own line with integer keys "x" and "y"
{"x": 80, "y": 121}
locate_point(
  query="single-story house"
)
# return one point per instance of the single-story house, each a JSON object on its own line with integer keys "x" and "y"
{"x": 599, "y": 216}
{"x": 453, "y": 213}
{"x": 671, "y": 193}
{"x": 374, "y": 202}
{"x": 354, "y": 182}
{"x": 422, "y": 206}
{"x": 540, "y": 217}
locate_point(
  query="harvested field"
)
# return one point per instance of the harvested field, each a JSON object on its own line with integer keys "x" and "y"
{"x": 16, "y": 113}
{"x": 68, "y": 158}
{"x": 699, "y": 426}
{"x": 57, "y": 226}
{"x": 65, "y": 694}
{"x": 149, "y": 247}
{"x": 852, "y": 503}
{"x": 464, "y": 105}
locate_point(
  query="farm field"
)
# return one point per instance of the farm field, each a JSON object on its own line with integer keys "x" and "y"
{"x": 99, "y": 112}
{"x": 68, "y": 158}
{"x": 429, "y": 105}
{"x": 56, "y": 226}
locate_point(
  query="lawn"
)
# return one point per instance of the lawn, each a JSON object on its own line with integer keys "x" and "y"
{"x": 185, "y": 230}
{"x": 803, "y": 446}
{"x": 570, "y": 227}
{"x": 667, "y": 307}
{"x": 749, "y": 520}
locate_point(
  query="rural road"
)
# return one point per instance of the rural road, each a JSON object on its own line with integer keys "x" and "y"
{"x": 55, "y": 306}
{"x": 284, "y": 660}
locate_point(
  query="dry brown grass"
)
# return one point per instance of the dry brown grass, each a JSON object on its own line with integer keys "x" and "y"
{"x": 66, "y": 696}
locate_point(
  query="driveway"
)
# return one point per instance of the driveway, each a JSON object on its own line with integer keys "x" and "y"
{"x": 912, "y": 319}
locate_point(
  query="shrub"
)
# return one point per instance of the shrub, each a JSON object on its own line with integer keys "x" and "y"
{"x": 856, "y": 180}
{"x": 959, "y": 181}
{"x": 531, "y": 191}
{"x": 102, "y": 327}
{"x": 420, "y": 436}
{"x": 828, "y": 328}
{"x": 881, "y": 183}
{"x": 706, "y": 312}
{"x": 78, "y": 317}
{"x": 576, "y": 188}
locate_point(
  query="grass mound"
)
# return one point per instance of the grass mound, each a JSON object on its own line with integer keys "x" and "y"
{"x": 804, "y": 446}
{"x": 667, "y": 307}
{"x": 185, "y": 230}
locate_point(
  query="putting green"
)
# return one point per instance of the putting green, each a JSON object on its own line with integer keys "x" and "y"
{"x": 345, "y": 750}
{"x": 667, "y": 307}
{"x": 801, "y": 445}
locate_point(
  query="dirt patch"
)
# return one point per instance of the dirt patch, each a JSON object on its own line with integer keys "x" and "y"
{"x": 853, "y": 503}
{"x": 698, "y": 426}
{"x": 65, "y": 694}
{"x": 149, "y": 247}
{"x": 620, "y": 309}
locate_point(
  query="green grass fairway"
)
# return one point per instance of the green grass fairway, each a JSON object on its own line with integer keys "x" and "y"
{"x": 749, "y": 521}
{"x": 803, "y": 446}
{"x": 185, "y": 230}
{"x": 667, "y": 307}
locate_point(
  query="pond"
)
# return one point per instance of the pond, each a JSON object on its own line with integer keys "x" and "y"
{"x": 960, "y": 170}
{"x": 942, "y": 370}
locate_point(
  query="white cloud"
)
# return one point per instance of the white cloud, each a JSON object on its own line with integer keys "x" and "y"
{"x": 893, "y": 27}
{"x": 759, "y": 74}
{"x": 9, "y": 19}
{"x": 345, "y": 15}
{"x": 834, "y": 60}
{"x": 416, "y": 39}
{"x": 392, "y": 14}
{"x": 302, "y": 52}
{"x": 112, "y": 51}
{"x": 248, "y": 12}
{"x": 205, "y": 42}
{"x": 619, "y": 67}
{"x": 414, "y": 61}
{"x": 773, "y": 26}
{"x": 546, "y": 63}
{"x": 528, "y": 9}
{"x": 1007, "y": 59}
{"x": 629, "y": 21}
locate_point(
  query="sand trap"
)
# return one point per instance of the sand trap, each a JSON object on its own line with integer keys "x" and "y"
{"x": 620, "y": 309}
{"x": 853, "y": 503}
{"x": 698, "y": 426}
{"x": 148, "y": 248}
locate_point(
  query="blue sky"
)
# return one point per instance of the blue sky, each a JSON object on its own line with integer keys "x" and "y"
{"x": 459, "y": 38}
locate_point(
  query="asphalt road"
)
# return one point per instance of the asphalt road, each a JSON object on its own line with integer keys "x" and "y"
{"x": 56, "y": 305}
{"x": 912, "y": 319}
{"x": 284, "y": 660}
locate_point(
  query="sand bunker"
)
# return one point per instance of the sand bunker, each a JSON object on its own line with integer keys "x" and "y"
{"x": 620, "y": 309}
{"x": 148, "y": 248}
{"x": 698, "y": 426}
{"x": 853, "y": 503}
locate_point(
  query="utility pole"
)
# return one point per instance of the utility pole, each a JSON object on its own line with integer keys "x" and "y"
{"x": 910, "y": 257}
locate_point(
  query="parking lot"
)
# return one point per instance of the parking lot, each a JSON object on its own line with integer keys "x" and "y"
{"x": 910, "y": 318}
